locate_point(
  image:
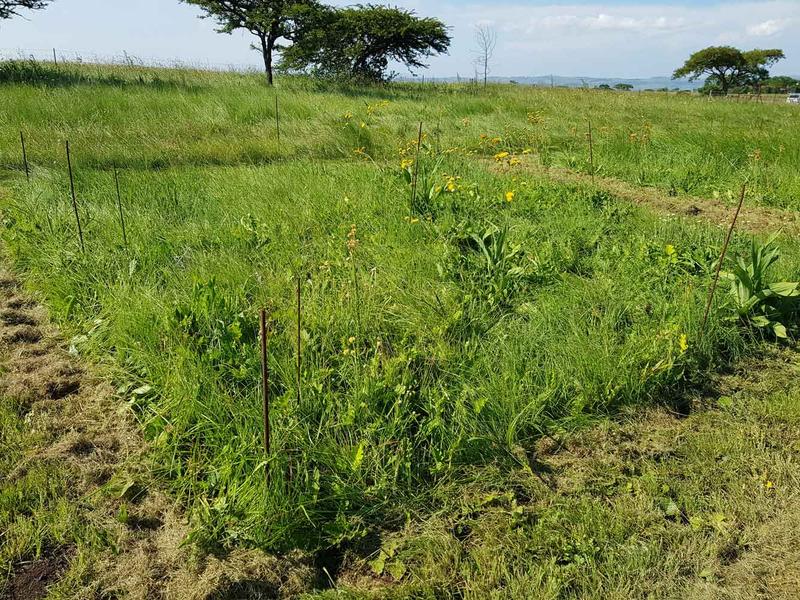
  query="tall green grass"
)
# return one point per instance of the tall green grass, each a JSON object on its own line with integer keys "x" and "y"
{"x": 438, "y": 343}
{"x": 136, "y": 116}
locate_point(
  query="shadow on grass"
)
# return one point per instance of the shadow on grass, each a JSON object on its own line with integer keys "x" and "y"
{"x": 32, "y": 72}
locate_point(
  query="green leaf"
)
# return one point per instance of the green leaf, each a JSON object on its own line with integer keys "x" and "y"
{"x": 397, "y": 569}
{"x": 672, "y": 510}
{"x": 378, "y": 564}
{"x": 785, "y": 289}
{"x": 358, "y": 457}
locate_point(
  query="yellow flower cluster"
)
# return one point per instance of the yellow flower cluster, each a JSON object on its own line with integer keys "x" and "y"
{"x": 373, "y": 108}
{"x": 535, "y": 117}
{"x": 347, "y": 351}
{"x": 352, "y": 240}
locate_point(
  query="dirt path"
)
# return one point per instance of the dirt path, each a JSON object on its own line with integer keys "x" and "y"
{"x": 756, "y": 219}
{"x": 73, "y": 422}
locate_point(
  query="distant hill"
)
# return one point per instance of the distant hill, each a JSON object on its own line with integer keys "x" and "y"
{"x": 651, "y": 83}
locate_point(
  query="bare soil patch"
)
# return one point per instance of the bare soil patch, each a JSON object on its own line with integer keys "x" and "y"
{"x": 32, "y": 578}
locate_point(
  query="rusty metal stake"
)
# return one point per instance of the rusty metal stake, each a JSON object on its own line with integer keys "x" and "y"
{"x": 24, "y": 156}
{"x": 416, "y": 169}
{"x": 277, "y": 119}
{"x": 591, "y": 149}
{"x": 299, "y": 350}
{"x": 721, "y": 259}
{"x": 265, "y": 386}
{"x": 74, "y": 201}
{"x": 119, "y": 207}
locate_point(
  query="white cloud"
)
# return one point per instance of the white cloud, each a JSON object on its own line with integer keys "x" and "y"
{"x": 768, "y": 28}
{"x": 628, "y": 38}
{"x": 608, "y": 37}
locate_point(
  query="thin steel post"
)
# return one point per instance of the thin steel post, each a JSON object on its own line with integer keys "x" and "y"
{"x": 299, "y": 349}
{"x": 24, "y": 156}
{"x": 265, "y": 384}
{"x": 416, "y": 169}
{"x": 119, "y": 207}
{"x": 74, "y": 200}
{"x": 721, "y": 259}
{"x": 277, "y": 119}
{"x": 591, "y": 149}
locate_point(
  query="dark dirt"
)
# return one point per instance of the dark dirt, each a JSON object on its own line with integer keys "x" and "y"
{"x": 31, "y": 579}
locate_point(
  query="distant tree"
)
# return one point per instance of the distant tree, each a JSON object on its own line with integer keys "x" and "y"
{"x": 782, "y": 83}
{"x": 758, "y": 65}
{"x": 603, "y": 86}
{"x": 727, "y": 66}
{"x": 268, "y": 20}
{"x": 10, "y": 8}
{"x": 486, "y": 39}
{"x": 358, "y": 42}
{"x": 623, "y": 87}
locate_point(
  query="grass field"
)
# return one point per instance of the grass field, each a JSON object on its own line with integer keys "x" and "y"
{"x": 445, "y": 343}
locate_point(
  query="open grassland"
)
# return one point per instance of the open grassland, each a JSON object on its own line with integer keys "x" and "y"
{"x": 150, "y": 118}
{"x": 445, "y": 344}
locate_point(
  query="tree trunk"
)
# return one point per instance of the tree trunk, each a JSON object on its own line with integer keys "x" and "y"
{"x": 267, "y": 45}
{"x": 485, "y": 69}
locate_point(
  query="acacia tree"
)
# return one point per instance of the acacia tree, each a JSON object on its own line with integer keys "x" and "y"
{"x": 727, "y": 66}
{"x": 486, "y": 38}
{"x": 358, "y": 42}
{"x": 10, "y": 8}
{"x": 758, "y": 65}
{"x": 268, "y": 20}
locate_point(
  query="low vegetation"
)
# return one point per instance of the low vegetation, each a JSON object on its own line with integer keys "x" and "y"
{"x": 460, "y": 317}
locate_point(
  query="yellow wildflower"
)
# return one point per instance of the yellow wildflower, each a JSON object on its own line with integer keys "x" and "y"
{"x": 509, "y": 196}
{"x": 669, "y": 249}
{"x": 501, "y": 155}
{"x": 352, "y": 240}
{"x": 683, "y": 343}
{"x": 451, "y": 184}
{"x": 406, "y": 163}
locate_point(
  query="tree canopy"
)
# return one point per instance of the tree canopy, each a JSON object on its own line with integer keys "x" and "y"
{"x": 360, "y": 41}
{"x": 11, "y": 8}
{"x": 727, "y": 66}
{"x": 268, "y": 20}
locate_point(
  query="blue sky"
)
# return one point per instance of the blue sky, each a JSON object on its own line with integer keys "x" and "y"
{"x": 621, "y": 38}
